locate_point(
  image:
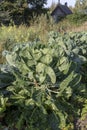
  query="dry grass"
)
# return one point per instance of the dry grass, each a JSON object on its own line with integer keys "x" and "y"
{"x": 80, "y": 28}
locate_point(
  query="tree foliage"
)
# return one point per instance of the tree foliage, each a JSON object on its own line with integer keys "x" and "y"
{"x": 18, "y": 10}
{"x": 37, "y": 3}
{"x": 81, "y": 4}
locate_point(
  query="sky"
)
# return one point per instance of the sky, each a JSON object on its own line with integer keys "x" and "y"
{"x": 70, "y": 2}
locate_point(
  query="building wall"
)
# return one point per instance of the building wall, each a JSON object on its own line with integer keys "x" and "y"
{"x": 57, "y": 14}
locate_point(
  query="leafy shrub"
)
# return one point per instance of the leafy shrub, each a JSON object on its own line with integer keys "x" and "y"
{"x": 44, "y": 85}
{"x": 77, "y": 18}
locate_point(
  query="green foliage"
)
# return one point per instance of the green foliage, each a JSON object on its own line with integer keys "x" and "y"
{"x": 37, "y": 3}
{"x": 81, "y": 4}
{"x": 45, "y": 85}
{"x": 20, "y": 12}
{"x": 4, "y": 17}
{"x": 8, "y": 9}
{"x": 77, "y": 18}
{"x": 74, "y": 45}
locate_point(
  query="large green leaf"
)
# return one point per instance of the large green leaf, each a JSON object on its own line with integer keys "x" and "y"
{"x": 66, "y": 83}
{"x": 40, "y": 69}
{"x": 51, "y": 74}
{"x": 47, "y": 59}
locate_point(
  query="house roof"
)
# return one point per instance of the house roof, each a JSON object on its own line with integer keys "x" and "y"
{"x": 63, "y": 8}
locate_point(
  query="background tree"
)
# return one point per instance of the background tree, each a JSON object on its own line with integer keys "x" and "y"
{"x": 19, "y": 9}
{"x": 81, "y": 4}
{"x": 15, "y": 9}
{"x": 37, "y": 3}
{"x": 84, "y": 4}
{"x": 78, "y": 4}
